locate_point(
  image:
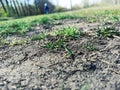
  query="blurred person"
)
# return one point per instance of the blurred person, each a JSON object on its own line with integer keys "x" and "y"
{"x": 46, "y": 8}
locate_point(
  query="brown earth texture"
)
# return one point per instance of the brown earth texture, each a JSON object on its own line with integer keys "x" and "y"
{"x": 30, "y": 66}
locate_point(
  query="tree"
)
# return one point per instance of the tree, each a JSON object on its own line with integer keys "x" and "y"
{"x": 16, "y": 9}
{"x": 23, "y": 9}
{"x": 28, "y": 6}
{"x": 3, "y": 5}
{"x": 85, "y": 3}
{"x": 40, "y": 5}
{"x": 71, "y": 4}
{"x": 110, "y": 1}
{"x": 12, "y": 8}
{"x": 8, "y": 7}
{"x": 19, "y": 8}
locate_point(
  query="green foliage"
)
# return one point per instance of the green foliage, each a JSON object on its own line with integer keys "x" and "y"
{"x": 92, "y": 19}
{"x": 85, "y": 87}
{"x": 59, "y": 43}
{"x": 14, "y": 28}
{"x": 64, "y": 16}
{"x": 42, "y": 20}
{"x": 3, "y": 42}
{"x": 68, "y": 51}
{"x": 106, "y": 32}
{"x": 60, "y": 9}
{"x": 54, "y": 45}
{"x": 49, "y": 45}
{"x": 34, "y": 22}
{"x": 39, "y": 37}
{"x": 5, "y": 18}
{"x": 90, "y": 47}
{"x": 19, "y": 26}
{"x": 45, "y": 20}
{"x": 62, "y": 87}
{"x": 2, "y": 13}
{"x": 71, "y": 32}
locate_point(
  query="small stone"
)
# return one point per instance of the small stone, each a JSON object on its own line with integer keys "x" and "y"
{"x": 36, "y": 88}
{"x": 1, "y": 83}
{"x": 24, "y": 83}
{"x": 44, "y": 88}
{"x": 18, "y": 62}
{"x": 5, "y": 87}
{"x": 13, "y": 88}
{"x": 117, "y": 61}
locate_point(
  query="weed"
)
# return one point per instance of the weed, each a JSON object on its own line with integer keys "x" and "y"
{"x": 106, "y": 32}
{"x": 19, "y": 42}
{"x": 85, "y": 87}
{"x": 45, "y": 20}
{"x": 34, "y": 23}
{"x": 59, "y": 43}
{"x": 3, "y": 42}
{"x": 71, "y": 32}
{"x": 49, "y": 45}
{"x": 14, "y": 28}
{"x": 92, "y": 19}
{"x": 90, "y": 47}
{"x": 69, "y": 51}
{"x": 39, "y": 37}
{"x": 63, "y": 16}
{"x": 54, "y": 45}
{"x": 63, "y": 87}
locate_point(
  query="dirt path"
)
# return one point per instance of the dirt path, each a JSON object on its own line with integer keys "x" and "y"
{"x": 31, "y": 67}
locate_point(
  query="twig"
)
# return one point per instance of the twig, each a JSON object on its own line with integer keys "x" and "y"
{"x": 71, "y": 73}
{"x": 115, "y": 71}
{"x": 116, "y": 36}
{"x": 58, "y": 63}
{"x": 114, "y": 65}
{"x": 107, "y": 46}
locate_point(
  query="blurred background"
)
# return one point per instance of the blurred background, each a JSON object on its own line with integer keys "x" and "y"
{"x": 21, "y": 8}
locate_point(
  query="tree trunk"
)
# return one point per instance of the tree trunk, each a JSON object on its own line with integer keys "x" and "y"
{"x": 3, "y": 6}
{"x": 12, "y": 8}
{"x": 8, "y": 7}
{"x": 17, "y": 11}
{"x": 19, "y": 8}
{"x": 23, "y": 9}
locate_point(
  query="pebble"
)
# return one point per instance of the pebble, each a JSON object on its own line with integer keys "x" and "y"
{"x": 44, "y": 88}
{"x": 36, "y": 87}
{"x": 13, "y": 88}
{"x": 24, "y": 83}
{"x": 1, "y": 83}
{"x": 5, "y": 88}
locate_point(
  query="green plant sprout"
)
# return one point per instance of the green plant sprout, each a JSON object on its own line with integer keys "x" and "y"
{"x": 71, "y": 32}
{"x": 39, "y": 37}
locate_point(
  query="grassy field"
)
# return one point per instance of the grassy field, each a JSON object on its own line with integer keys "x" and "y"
{"x": 94, "y": 14}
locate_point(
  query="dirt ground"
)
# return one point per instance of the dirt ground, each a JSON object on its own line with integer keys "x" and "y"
{"x": 32, "y": 67}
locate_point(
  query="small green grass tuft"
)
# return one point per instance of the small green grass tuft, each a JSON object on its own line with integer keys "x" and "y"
{"x": 90, "y": 47}
{"x": 39, "y": 37}
{"x": 49, "y": 45}
{"x": 106, "y": 32}
{"x": 69, "y": 52}
{"x": 85, "y": 87}
{"x": 54, "y": 45}
{"x": 45, "y": 20}
{"x": 3, "y": 42}
{"x": 14, "y": 28}
{"x": 71, "y": 32}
